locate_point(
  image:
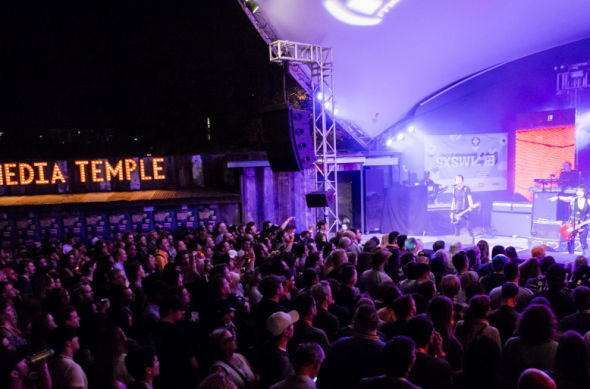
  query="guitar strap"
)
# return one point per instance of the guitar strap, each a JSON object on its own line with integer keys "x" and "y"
{"x": 583, "y": 211}
{"x": 463, "y": 194}
{"x": 465, "y": 202}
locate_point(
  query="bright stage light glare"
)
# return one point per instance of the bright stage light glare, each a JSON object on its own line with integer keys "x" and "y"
{"x": 346, "y": 15}
{"x": 335, "y": 111}
{"x": 400, "y": 137}
{"x": 320, "y": 95}
{"x": 411, "y": 129}
{"x": 252, "y": 5}
{"x": 389, "y": 142}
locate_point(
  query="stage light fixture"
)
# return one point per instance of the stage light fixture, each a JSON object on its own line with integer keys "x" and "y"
{"x": 389, "y": 142}
{"x": 335, "y": 111}
{"x": 400, "y": 137}
{"x": 320, "y": 95}
{"x": 252, "y": 5}
{"x": 411, "y": 129}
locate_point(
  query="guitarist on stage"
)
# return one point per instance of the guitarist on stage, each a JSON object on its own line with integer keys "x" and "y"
{"x": 461, "y": 201}
{"x": 579, "y": 212}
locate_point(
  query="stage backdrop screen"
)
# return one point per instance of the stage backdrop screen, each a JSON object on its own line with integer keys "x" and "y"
{"x": 482, "y": 159}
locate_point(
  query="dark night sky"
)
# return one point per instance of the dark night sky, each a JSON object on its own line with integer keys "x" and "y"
{"x": 150, "y": 70}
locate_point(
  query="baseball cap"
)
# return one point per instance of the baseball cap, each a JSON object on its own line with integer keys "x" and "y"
{"x": 500, "y": 258}
{"x": 232, "y": 253}
{"x": 280, "y": 321}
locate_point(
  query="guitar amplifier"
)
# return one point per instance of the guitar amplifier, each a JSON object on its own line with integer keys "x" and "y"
{"x": 546, "y": 229}
{"x": 543, "y": 208}
{"x": 522, "y": 207}
{"x": 510, "y": 224}
{"x": 501, "y": 206}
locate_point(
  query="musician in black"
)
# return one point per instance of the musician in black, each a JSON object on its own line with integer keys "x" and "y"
{"x": 579, "y": 212}
{"x": 462, "y": 200}
{"x": 426, "y": 180}
{"x": 569, "y": 178}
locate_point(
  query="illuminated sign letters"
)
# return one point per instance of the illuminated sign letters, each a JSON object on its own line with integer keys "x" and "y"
{"x": 95, "y": 170}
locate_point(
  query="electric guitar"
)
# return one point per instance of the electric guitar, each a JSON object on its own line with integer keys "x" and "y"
{"x": 569, "y": 231}
{"x": 457, "y": 216}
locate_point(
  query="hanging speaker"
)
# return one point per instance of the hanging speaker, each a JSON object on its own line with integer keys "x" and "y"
{"x": 319, "y": 199}
{"x": 287, "y": 139}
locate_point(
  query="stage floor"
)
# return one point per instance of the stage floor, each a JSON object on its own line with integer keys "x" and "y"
{"x": 520, "y": 244}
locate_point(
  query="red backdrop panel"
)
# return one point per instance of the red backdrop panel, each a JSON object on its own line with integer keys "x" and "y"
{"x": 541, "y": 152}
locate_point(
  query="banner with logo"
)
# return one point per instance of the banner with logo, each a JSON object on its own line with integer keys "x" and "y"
{"x": 482, "y": 159}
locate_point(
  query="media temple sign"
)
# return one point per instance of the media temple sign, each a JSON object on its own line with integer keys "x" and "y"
{"x": 96, "y": 171}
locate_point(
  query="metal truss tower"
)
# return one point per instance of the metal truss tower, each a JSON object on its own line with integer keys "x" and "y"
{"x": 572, "y": 80}
{"x": 320, "y": 61}
{"x": 298, "y": 71}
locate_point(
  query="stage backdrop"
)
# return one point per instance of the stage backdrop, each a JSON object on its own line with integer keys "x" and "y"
{"x": 482, "y": 159}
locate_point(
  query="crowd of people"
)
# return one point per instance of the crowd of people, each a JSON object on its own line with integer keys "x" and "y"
{"x": 267, "y": 306}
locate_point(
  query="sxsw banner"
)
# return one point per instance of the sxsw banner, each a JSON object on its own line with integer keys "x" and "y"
{"x": 481, "y": 158}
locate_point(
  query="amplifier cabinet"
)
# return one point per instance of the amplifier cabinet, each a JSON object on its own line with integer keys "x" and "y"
{"x": 510, "y": 224}
{"x": 522, "y": 207}
{"x": 501, "y": 206}
{"x": 543, "y": 208}
{"x": 546, "y": 229}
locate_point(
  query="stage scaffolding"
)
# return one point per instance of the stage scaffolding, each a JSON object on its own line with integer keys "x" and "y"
{"x": 304, "y": 71}
{"x": 300, "y": 74}
{"x": 320, "y": 61}
{"x": 572, "y": 80}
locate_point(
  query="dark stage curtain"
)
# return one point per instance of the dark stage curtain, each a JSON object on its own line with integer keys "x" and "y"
{"x": 405, "y": 209}
{"x": 439, "y": 222}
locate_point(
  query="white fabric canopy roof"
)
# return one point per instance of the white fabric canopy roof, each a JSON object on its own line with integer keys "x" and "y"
{"x": 409, "y": 49}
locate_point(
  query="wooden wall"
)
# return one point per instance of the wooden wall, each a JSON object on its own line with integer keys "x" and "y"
{"x": 277, "y": 196}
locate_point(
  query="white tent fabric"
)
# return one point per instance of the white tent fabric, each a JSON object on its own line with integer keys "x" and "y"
{"x": 391, "y": 54}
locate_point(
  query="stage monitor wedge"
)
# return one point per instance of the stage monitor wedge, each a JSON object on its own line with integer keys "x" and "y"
{"x": 287, "y": 138}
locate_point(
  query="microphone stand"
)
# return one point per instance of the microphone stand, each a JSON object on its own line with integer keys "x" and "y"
{"x": 573, "y": 241}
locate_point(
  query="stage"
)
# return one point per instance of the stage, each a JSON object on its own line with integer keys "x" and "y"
{"x": 520, "y": 244}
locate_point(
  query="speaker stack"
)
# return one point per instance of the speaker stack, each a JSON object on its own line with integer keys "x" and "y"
{"x": 548, "y": 216}
{"x": 287, "y": 138}
{"x": 511, "y": 218}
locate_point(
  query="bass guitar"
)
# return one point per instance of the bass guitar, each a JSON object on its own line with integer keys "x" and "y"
{"x": 569, "y": 231}
{"x": 457, "y": 216}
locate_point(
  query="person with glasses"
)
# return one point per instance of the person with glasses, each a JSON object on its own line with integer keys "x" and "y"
{"x": 227, "y": 360}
